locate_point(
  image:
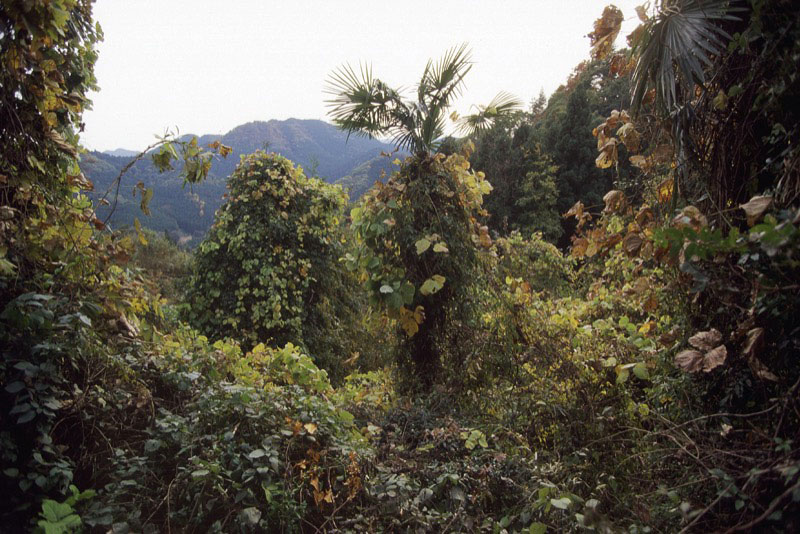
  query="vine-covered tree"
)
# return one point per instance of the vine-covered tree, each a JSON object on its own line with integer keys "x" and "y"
{"x": 270, "y": 259}
{"x": 418, "y": 233}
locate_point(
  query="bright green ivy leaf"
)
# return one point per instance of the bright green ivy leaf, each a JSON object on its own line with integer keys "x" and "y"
{"x": 422, "y": 245}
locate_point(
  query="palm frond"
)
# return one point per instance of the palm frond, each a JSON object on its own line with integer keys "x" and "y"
{"x": 444, "y": 79}
{"x": 441, "y": 82}
{"x": 676, "y": 48}
{"x": 501, "y": 105}
{"x": 361, "y": 104}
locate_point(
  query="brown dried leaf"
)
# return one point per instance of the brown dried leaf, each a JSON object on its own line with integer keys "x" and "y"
{"x": 576, "y": 210}
{"x": 644, "y": 216}
{"x": 705, "y": 341}
{"x": 761, "y": 371}
{"x": 651, "y": 304}
{"x": 608, "y": 156}
{"x": 629, "y": 136}
{"x": 689, "y": 360}
{"x": 754, "y": 342}
{"x": 756, "y": 207}
{"x": 714, "y": 358}
{"x": 752, "y": 346}
{"x": 579, "y": 246}
{"x": 615, "y": 201}
{"x": 606, "y": 29}
{"x": 632, "y": 243}
{"x": 690, "y": 216}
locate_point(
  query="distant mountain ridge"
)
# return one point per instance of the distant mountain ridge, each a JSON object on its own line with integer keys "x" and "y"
{"x": 186, "y": 213}
{"x": 120, "y": 152}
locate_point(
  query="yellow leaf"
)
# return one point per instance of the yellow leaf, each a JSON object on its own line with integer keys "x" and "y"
{"x": 310, "y": 427}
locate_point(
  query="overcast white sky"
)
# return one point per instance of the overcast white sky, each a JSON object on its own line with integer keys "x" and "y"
{"x": 207, "y": 66}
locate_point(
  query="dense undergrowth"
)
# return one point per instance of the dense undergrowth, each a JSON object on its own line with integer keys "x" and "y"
{"x": 645, "y": 381}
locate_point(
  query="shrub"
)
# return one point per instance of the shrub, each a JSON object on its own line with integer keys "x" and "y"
{"x": 268, "y": 268}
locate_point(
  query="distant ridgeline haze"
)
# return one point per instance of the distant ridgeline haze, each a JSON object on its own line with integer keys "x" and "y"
{"x": 186, "y": 213}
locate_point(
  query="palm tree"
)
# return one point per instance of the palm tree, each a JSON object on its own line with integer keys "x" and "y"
{"x": 675, "y": 53}
{"x": 426, "y": 197}
{"x": 365, "y": 105}
{"x": 676, "y": 49}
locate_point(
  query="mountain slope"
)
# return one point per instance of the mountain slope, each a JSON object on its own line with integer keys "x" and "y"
{"x": 186, "y": 213}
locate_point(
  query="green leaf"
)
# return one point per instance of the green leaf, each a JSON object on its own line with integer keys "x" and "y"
{"x": 386, "y": 289}
{"x": 432, "y": 285}
{"x": 345, "y": 416}
{"x": 27, "y": 416}
{"x": 537, "y": 528}
{"x": 423, "y": 245}
{"x": 258, "y": 453}
{"x": 407, "y": 292}
{"x": 15, "y": 387}
{"x": 622, "y": 375}
{"x": 55, "y": 512}
{"x": 251, "y": 515}
{"x": 640, "y": 370}
{"x": 562, "y": 503}
{"x": 440, "y": 247}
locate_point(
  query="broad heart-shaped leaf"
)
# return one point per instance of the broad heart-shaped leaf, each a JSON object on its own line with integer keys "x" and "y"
{"x": 58, "y": 518}
{"x": 422, "y": 245}
{"x": 440, "y": 247}
{"x": 55, "y": 511}
{"x": 409, "y": 325}
{"x": 386, "y": 289}
{"x": 257, "y": 453}
{"x": 705, "y": 341}
{"x": 714, "y": 358}
{"x": 432, "y": 285}
{"x": 407, "y": 292}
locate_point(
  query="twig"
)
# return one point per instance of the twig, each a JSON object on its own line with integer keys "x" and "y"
{"x": 706, "y": 509}
{"x": 767, "y": 512}
{"x": 118, "y": 179}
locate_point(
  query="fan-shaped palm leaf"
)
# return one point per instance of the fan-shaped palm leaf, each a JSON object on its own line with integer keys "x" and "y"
{"x": 365, "y": 105}
{"x": 675, "y": 48}
{"x": 501, "y": 105}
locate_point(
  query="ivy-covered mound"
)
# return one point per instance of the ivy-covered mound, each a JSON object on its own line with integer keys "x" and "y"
{"x": 270, "y": 259}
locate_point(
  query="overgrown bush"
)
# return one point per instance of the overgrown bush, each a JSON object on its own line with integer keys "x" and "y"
{"x": 268, "y": 270}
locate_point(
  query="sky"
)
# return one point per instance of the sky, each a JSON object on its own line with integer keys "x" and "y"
{"x": 205, "y": 67}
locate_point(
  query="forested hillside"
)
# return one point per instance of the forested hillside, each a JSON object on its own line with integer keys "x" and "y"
{"x": 186, "y": 213}
{"x": 579, "y": 315}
